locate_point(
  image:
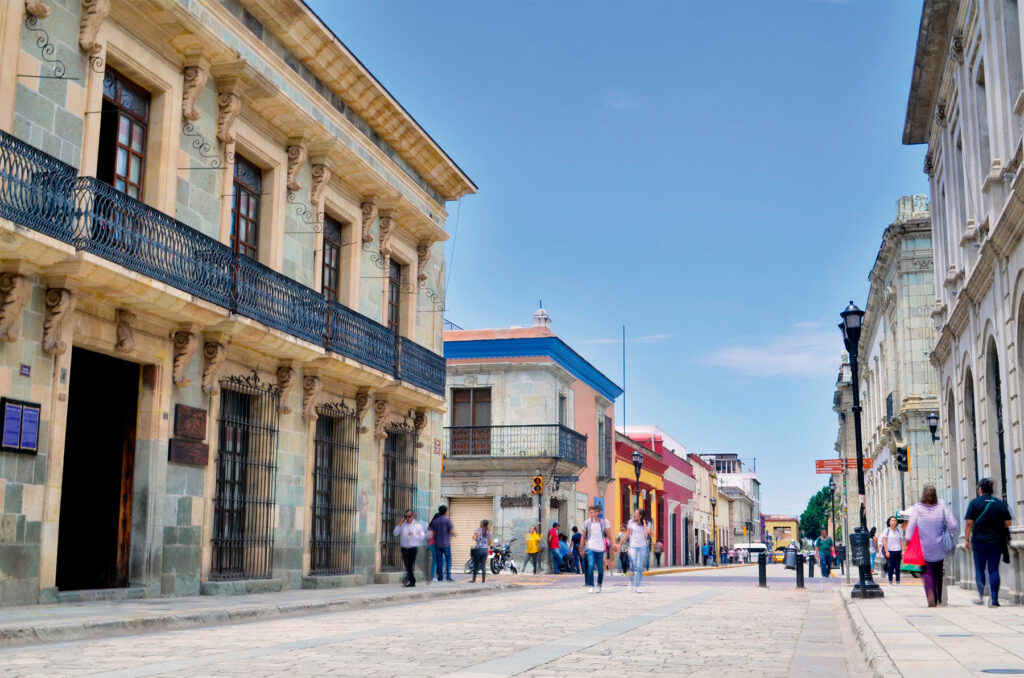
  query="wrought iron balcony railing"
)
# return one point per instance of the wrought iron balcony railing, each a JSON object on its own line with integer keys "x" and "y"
{"x": 40, "y": 192}
{"x": 542, "y": 440}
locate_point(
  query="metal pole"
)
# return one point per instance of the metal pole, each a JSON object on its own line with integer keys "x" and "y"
{"x": 846, "y": 523}
{"x": 867, "y": 587}
{"x": 903, "y": 493}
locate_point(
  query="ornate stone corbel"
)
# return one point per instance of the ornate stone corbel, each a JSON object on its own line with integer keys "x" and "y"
{"x": 369, "y": 207}
{"x": 185, "y": 344}
{"x": 311, "y": 386}
{"x": 422, "y": 257}
{"x": 228, "y": 106}
{"x": 16, "y": 291}
{"x": 362, "y": 407}
{"x": 296, "y": 156}
{"x": 387, "y": 229}
{"x": 940, "y": 113}
{"x": 321, "y": 175}
{"x": 928, "y": 166}
{"x": 195, "y": 81}
{"x": 93, "y": 14}
{"x": 59, "y": 304}
{"x": 419, "y": 423}
{"x": 285, "y": 381}
{"x": 214, "y": 353}
{"x": 125, "y": 336}
{"x": 956, "y": 47}
{"x": 37, "y": 8}
{"x": 381, "y": 408}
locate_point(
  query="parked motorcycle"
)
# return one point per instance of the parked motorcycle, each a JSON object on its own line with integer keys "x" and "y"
{"x": 501, "y": 558}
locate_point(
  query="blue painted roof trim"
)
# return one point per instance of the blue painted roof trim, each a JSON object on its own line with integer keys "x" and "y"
{"x": 535, "y": 347}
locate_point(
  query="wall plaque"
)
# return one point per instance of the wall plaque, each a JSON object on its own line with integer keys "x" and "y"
{"x": 189, "y": 422}
{"x": 188, "y": 452}
{"x": 19, "y": 426}
{"x": 522, "y": 501}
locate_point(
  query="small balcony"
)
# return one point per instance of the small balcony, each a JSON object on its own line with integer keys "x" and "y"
{"x": 543, "y": 440}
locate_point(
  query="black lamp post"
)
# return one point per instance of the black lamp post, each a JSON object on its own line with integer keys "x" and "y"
{"x": 638, "y": 464}
{"x": 933, "y": 425}
{"x": 832, "y": 503}
{"x": 853, "y": 320}
{"x": 714, "y": 532}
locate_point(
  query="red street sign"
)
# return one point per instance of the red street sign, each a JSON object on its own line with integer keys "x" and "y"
{"x": 834, "y": 466}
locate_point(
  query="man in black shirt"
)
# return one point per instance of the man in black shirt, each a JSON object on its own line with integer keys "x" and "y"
{"x": 987, "y": 526}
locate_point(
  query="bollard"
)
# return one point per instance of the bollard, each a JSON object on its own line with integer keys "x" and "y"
{"x": 762, "y": 570}
{"x": 799, "y": 570}
{"x": 810, "y": 566}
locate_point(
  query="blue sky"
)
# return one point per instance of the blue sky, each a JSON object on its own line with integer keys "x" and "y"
{"x": 716, "y": 176}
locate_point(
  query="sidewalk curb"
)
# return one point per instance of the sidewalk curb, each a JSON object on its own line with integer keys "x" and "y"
{"x": 881, "y": 664}
{"x": 58, "y": 632}
{"x": 684, "y": 570}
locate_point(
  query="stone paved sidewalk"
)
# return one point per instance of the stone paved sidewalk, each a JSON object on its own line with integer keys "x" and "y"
{"x": 901, "y": 635}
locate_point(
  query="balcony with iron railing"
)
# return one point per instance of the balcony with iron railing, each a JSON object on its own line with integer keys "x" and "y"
{"x": 42, "y": 193}
{"x": 541, "y": 440}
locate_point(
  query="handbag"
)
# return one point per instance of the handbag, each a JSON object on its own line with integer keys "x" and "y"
{"x": 913, "y": 559}
{"x": 947, "y": 538}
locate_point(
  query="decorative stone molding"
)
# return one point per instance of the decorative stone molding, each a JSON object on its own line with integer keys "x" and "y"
{"x": 419, "y": 424}
{"x": 214, "y": 353}
{"x": 296, "y": 156}
{"x": 195, "y": 81}
{"x": 929, "y": 168}
{"x": 59, "y": 304}
{"x": 311, "y": 386}
{"x": 956, "y": 47}
{"x": 37, "y": 8}
{"x": 369, "y": 208}
{"x": 16, "y": 291}
{"x": 285, "y": 381}
{"x": 185, "y": 344}
{"x": 228, "y": 106}
{"x": 940, "y": 114}
{"x": 387, "y": 229}
{"x": 362, "y": 407}
{"x": 125, "y": 336}
{"x": 422, "y": 257}
{"x": 321, "y": 176}
{"x": 381, "y": 408}
{"x": 94, "y": 12}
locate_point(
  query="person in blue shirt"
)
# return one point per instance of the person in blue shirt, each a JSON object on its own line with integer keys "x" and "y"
{"x": 704, "y": 553}
{"x": 563, "y": 552}
{"x": 576, "y": 549}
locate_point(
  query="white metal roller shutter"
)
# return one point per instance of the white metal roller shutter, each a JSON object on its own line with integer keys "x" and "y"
{"x": 466, "y": 514}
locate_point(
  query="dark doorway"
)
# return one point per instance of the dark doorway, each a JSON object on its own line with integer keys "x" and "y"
{"x": 99, "y": 454}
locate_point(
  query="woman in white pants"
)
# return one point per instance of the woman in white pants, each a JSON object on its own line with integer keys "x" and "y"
{"x": 637, "y": 534}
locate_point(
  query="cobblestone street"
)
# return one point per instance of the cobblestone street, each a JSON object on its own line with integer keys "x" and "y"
{"x": 726, "y": 625}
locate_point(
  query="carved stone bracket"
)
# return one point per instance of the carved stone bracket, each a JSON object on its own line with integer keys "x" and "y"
{"x": 419, "y": 423}
{"x": 321, "y": 176}
{"x": 956, "y": 48}
{"x": 311, "y": 386}
{"x": 296, "y": 156}
{"x": 59, "y": 304}
{"x": 940, "y": 114}
{"x": 362, "y": 407}
{"x": 422, "y": 257}
{"x": 214, "y": 353}
{"x": 185, "y": 344}
{"x": 94, "y": 12}
{"x": 285, "y": 381}
{"x": 195, "y": 81}
{"x": 369, "y": 207}
{"x": 928, "y": 164}
{"x": 387, "y": 229}
{"x": 381, "y": 408}
{"x": 125, "y": 336}
{"x": 228, "y": 106}
{"x": 37, "y": 8}
{"x": 15, "y": 290}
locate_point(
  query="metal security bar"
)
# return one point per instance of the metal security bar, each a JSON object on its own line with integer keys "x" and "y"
{"x": 243, "y": 505}
{"x": 544, "y": 440}
{"x": 419, "y": 366}
{"x": 336, "y": 450}
{"x": 398, "y": 492}
{"x": 36, "y": 189}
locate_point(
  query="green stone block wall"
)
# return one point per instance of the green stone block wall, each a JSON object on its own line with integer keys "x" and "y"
{"x": 372, "y": 279}
{"x": 199, "y": 187}
{"x": 300, "y": 231}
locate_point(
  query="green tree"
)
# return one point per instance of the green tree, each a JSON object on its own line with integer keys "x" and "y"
{"x": 815, "y": 516}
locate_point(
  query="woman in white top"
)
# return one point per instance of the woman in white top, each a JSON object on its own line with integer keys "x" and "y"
{"x": 637, "y": 532}
{"x": 892, "y": 548}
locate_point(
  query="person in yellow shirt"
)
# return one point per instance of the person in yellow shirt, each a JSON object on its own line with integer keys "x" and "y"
{"x": 532, "y": 549}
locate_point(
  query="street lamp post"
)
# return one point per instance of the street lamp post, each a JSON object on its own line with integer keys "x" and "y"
{"x": 714, "y": 532}
{"x": 933, "y": 425}
{"x": 638, "y": 464}
{"x": 832, "y": 503}
{"x": 853, "y": 319}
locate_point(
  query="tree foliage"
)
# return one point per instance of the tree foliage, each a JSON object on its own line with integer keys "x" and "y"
{"x": 815, "y": 516}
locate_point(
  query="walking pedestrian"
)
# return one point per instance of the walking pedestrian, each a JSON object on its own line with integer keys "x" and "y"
{"x": 443, "y": 531}
{"x": 563, "y": 554}
{"x": 637, "y": 532}
{"x": 824, "y": 544}
{"x": 704, "y": 550}
{"x": 482, "y": 541}
{"x": 432, "y": 549}
{"x": 532, "y": 549}
{"x": 623, "y": 553}
{"x": 873, "y": 546}
{"x": 553, "y": 546}
{"x": 576, "y": 547}
{"x": 410, "y": 536}
{"x": 892, "y": 543}
{"x": 659, "y": 548}
{"x": 986, "y": 533}
{"x": 597, "y": 533}
{"x": 933, "y": 520}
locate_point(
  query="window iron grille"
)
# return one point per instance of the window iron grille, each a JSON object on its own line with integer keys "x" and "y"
{"x": 336, "y": 452}
{"x": 398, "y": 492}
{"x": 243, "y": 505}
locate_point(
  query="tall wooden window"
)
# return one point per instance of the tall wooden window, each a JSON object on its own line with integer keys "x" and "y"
{"x": 331, "y": 278}
{"x": 394, "y": 295}
{"x": 123, "y": 125}
{"x": 245, "y": 209}
{"x": 334, "y": 491}
{"x": 471, "y": 421}
{"x": 398, "y": 492}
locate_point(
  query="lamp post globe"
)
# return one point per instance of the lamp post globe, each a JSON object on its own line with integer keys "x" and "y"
{"x": 714, "y": 532}
{"x": 933, "y": 424}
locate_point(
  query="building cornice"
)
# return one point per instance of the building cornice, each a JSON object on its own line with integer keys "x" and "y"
{"x": 938, "y": 18}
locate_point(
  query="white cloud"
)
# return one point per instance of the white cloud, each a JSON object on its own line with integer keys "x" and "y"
{"x": 807, "y": 350}
{"x": 617, "y": 101}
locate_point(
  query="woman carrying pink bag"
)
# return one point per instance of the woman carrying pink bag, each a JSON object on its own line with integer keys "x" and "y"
{"x": 935, "y": 525}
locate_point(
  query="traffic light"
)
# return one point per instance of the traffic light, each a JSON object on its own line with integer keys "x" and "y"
{"x": 538, "y": 485}
{"x": 903, "y": 458}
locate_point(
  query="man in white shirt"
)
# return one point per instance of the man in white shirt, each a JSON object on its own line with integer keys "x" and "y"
{"x": 411, "y": 534}
{"x": 597, "y": 531}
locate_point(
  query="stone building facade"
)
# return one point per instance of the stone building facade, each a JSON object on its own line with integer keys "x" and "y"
{"x": 743, "y": 486}
{"x": 221, "y": 276}
{"x": 705, "y": 486}
{"x": 897, "y": 381}
{"x": 967, "y": 104}
{"x": 847, "y": 501}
